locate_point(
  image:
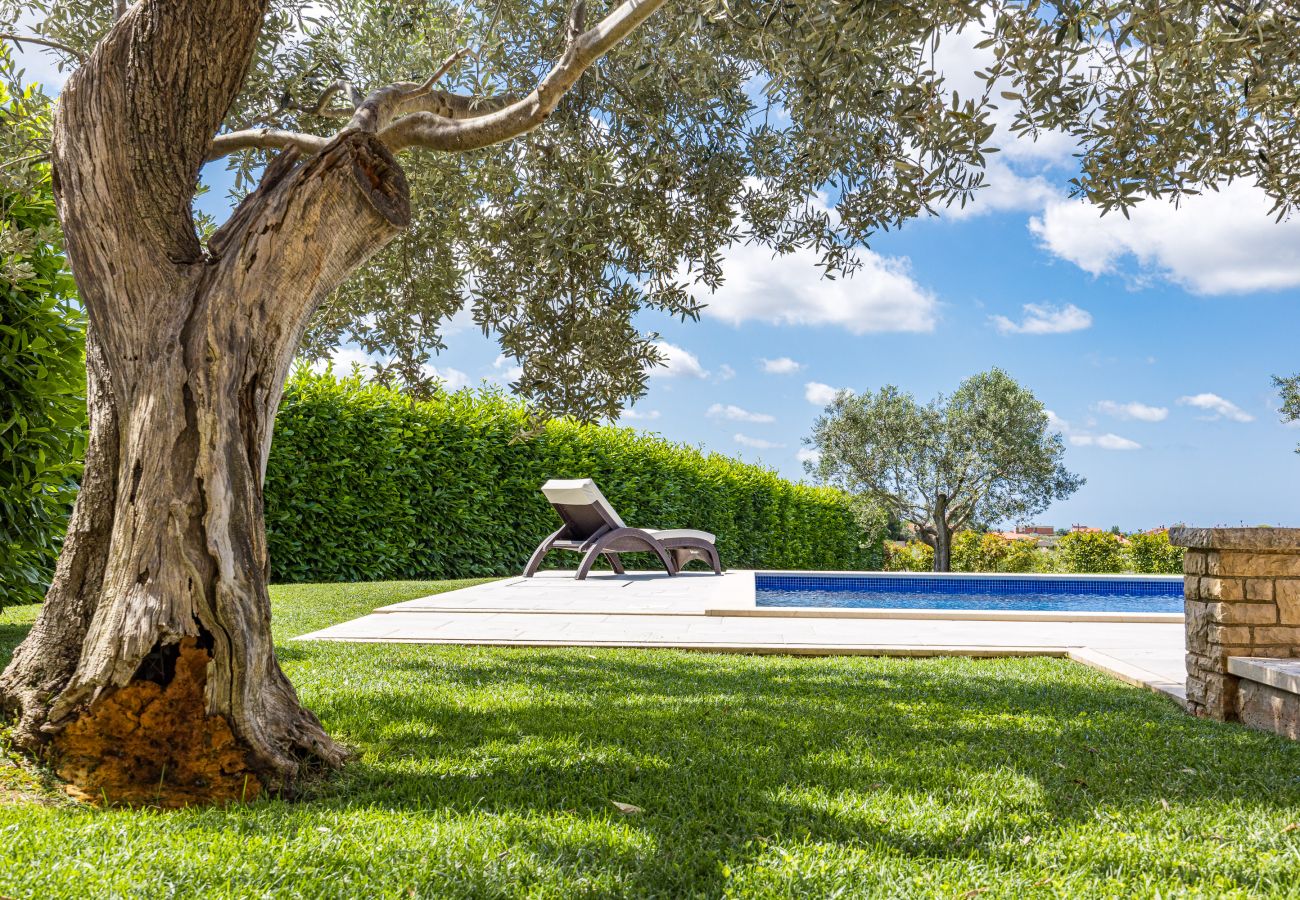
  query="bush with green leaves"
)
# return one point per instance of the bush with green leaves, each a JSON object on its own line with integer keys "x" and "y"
{"x": 42, "y": 390}
{"x": 1089, "y": 552}
{"x": 365, "y": 482}
{"x": 1152, "y": 552}
{"x": 914, "y": 556}
{"x": 973, "y": 551}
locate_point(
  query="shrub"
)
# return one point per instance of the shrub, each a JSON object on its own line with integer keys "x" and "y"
{"x": 1083, "y": 552}
{"x": 366, "y": 483}
{"x": 1152, "y": 552}
{"x": 976, "y": 552}
{"x": 914, "y": 556}
{"x": 42, "y": 385}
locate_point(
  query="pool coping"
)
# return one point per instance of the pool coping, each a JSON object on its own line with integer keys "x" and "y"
{"x": 568, "y": 613}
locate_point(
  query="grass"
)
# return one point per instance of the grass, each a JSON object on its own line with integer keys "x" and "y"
{"x": 495, "y": 772}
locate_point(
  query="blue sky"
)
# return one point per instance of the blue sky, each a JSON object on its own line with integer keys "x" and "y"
{"x": 1151, "y": 340}
{"x": 1163, "y": 392}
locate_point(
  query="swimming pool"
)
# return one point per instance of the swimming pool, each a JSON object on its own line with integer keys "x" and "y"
{"x": 1027, "y": 593}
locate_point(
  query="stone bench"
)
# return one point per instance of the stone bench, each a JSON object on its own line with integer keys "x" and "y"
{"x": 1242, "y": 609}
{"x": 1268, "y": 693}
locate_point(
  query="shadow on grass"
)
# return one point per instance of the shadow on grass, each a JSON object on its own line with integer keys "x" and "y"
{"x": 477, "y": 759}
{"x": 11, "y": 635}
{"x": 723, "y": 751}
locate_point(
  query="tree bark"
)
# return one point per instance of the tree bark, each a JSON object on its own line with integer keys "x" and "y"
{"x": 150, "y": 676}
{"x": 166, "y": 556}
{"x": 942, "y": 535}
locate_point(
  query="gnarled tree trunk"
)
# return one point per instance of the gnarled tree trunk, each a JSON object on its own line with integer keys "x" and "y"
{"x": 154, "y": 643}
{"x": 150, "y": 674}
{"x": 166, "y": 558}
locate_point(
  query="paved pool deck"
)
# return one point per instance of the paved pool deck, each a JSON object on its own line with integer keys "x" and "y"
{"x": 705, "y": 612}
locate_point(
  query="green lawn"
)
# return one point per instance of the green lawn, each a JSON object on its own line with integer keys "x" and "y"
{"x": 494, "y": 772}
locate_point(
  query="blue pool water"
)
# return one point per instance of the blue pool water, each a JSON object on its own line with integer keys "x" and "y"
{"x": 1038, "y": 593}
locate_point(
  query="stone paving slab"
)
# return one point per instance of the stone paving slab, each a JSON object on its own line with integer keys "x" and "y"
{"x": 693, "y": 612}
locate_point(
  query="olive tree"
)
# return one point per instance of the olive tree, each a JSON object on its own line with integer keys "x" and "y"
{"x": 151, "y": 668}
{"x": 986, "y": 453}
{"x": 397, "y": 162}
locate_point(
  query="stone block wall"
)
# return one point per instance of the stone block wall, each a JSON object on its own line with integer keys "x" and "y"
{"x": 1242, "y": 598}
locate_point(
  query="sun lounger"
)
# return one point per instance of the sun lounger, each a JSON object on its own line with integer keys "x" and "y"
{"x": 593, "y": 528}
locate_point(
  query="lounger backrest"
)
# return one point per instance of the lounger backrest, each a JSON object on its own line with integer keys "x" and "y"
{"x": 581, "y": 506}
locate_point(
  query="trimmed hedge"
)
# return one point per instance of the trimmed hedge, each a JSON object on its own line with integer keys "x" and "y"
{"x": 366, "y": 483}
{"x": 42, "y": 393}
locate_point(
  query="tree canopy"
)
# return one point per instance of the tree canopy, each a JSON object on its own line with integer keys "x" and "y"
{"x": 718, "y": 122}
{"x": 984, "y": 454}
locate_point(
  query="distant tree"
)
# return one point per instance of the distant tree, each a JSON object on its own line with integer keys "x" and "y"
{"x": 1290, "y": 390}
{"x": 986, "y": 453}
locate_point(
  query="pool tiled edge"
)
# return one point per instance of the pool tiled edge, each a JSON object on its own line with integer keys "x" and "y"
{"x": 968, "y": 615}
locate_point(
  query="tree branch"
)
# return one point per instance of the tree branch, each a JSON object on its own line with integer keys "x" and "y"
{"x": 438, "y": 133}
{"x": 322, "y": 108}
{"x": 387, "y": 103}
{"x": 266, "y": 139}
{"x": 44, "y": 42}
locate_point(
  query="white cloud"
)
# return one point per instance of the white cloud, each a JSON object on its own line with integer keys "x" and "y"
{"x": 1217, "y": 407}
{"x": 507, "y": 369}
{"x": 790, "y": 290}
{"x": 452, "y": 379}
{"x": 724, "y": 373}
{"x": 736, "y": 414}
{"x": 1014, "y": 179}
{"x": 1042, "y": 318}
{"x": 1006, "y": 190}
{"x": 808, "y": 456}
{"x": 1221, "y": 242}
{"x": 819, "y": 394}
{"x": 782, "y": 365}
{"x": 678, "y": 363}
{"x": 633, "y": 415}
{"x": 1080, "y": 438}
{"x": 1106, "y": 441}
{"x": 1133, "y": 410}
{"x": 757, "y": 443}
{"x": 344, "y": 359}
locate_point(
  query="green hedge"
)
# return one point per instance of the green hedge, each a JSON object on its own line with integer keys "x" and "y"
{"x": 42, "y": 392}
{"x": 366, "y": 483}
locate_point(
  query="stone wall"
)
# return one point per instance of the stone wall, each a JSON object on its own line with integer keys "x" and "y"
{"x": 1242, "y": 598}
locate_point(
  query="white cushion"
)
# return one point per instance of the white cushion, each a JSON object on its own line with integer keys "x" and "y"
{"x": 579, "y": 492}
{"x": 669, "y": 534}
